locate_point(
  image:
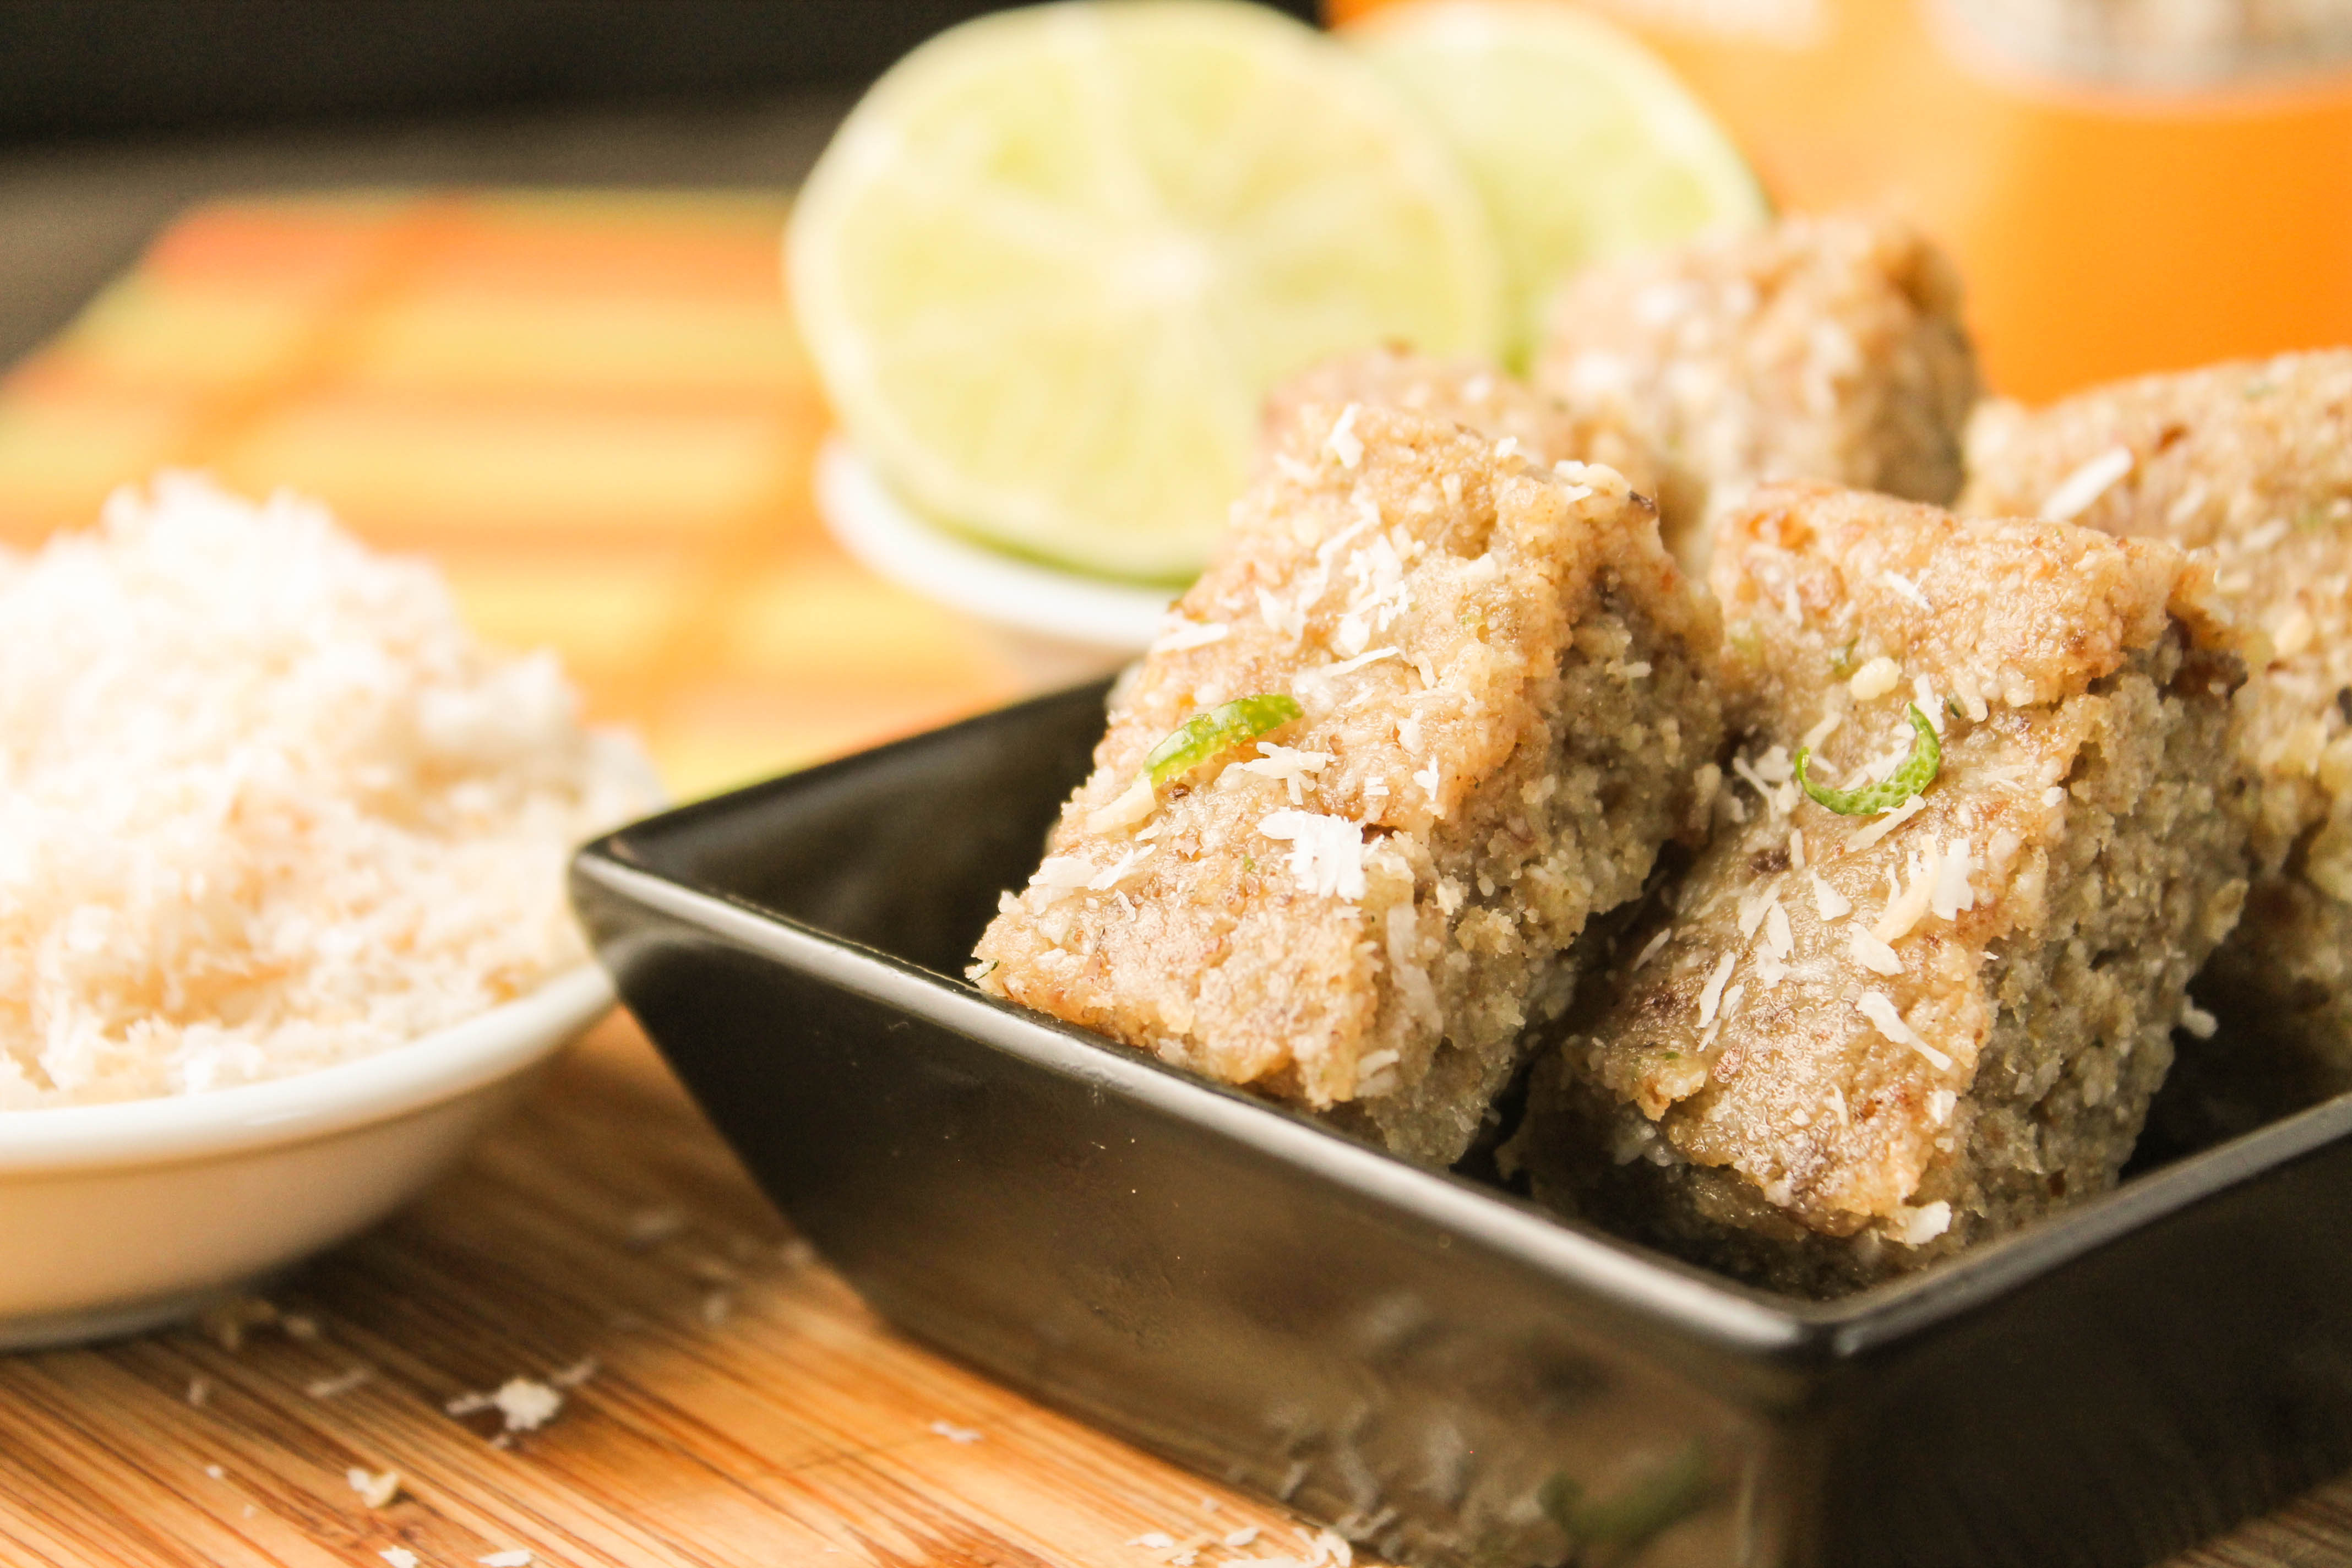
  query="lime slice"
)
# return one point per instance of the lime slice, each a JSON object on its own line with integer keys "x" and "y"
{"x": 1582, "y": 143}
{"x": 1053, "y": 260}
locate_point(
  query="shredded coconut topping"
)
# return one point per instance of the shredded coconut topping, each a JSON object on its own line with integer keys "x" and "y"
{"x": 1345, "y": 444}
{"x": 1183, "y": 634}
{"x": 1872, "y": 952}
{"x": 2262, "y": 537}
{"x": 1875, "y": 679}
{"x": 1924, "y": 693}
{"x": 1133, "y": 805}
{"x": 1327, "y": 853}
{"x": 1348, "y": 667}
{"x": 1381, "y": 596}
{"x": 1062, "y": 872}
{"x": 1953, "y": 893}
{"x": 2293, "y": 632}
{"x": 1916, "y": 1228}
{"x": 1710, "y": 997}
{"x": 1120, "y": 870}
{"x": 1903, "y": 912}
{"x": 1752, "y": 907}
{"x": 1880, "y": 1011}
{"x": 1886, "y": 825}
{"x": 1289, "y": 764}
{"x": 2080, "y": 490}
{"x": 1780, "y": 801}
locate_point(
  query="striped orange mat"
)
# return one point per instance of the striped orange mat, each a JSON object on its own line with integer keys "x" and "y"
{"x": 590, "y": 409}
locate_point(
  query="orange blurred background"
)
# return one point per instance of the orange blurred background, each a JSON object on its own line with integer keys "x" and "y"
{"x": 2103, "y": 227}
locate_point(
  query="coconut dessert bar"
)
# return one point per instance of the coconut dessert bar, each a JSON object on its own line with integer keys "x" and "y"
{"x": 2252, "y": 462}
{"x": 1431, "y": 709}
{"x": 1821, "y": 348}
{"x": 1920, "y": 984}
{"x": 1466, "y": 391}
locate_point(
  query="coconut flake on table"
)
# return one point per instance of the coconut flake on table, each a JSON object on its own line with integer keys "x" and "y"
{"x": 523, "y": 1403}
{"x": 266, "y": 804}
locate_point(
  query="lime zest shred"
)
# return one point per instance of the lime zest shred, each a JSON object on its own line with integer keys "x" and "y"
{"x": 1220, "y": 730}
{"x": 1914, "y": 774}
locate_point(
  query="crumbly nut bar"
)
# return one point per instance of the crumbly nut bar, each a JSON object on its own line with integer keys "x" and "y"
{"x": 1823, "y": 348}
{"x": 1848, "y": 1045}
{"x": 1472, "y": 392}
{"x": 1505, "y": 691}
{"x": 2252, "y": 462}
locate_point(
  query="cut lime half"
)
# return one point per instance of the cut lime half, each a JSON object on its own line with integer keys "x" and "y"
{"x": 1054, "y": 259}
{"x": 1582, "y": 143}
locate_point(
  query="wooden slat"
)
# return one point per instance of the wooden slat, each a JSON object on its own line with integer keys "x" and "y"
{"x": 745, "y": 1410}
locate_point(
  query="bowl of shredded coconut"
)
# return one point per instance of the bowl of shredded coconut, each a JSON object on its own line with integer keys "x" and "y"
{"x": 282, "y": 912}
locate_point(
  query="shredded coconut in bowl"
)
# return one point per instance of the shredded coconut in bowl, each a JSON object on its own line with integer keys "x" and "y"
{"x": 266, "y": 804}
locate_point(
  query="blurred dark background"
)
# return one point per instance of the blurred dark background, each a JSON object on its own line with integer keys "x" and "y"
{"x": 77, "y": 68}
{"x": 116, "y": 114}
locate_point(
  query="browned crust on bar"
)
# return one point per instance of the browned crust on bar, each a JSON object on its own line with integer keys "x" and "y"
{"x": 1509, "y": 771}
{"x": 1823, "y": 347}
{"x": 1470, "y": 392}
{"x": 2251, "y": 463}
{"x": 1755, "y": 1113}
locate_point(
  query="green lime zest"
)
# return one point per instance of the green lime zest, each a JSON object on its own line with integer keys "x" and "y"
{"x": 1916, "y": 772}
{"x": 1220, "y": 730}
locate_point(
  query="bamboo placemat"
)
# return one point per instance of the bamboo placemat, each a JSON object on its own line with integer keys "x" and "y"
{"x": 589, "y": 410}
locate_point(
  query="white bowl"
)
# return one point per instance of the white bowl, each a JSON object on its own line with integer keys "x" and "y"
{"x": 1057, "y": 627}
{"x": 114, "y": 1218}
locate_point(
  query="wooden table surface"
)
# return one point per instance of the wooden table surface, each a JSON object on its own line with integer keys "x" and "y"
{"x": 730, "y": 1403}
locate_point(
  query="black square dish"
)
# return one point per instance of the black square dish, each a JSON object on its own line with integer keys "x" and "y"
{"x": 1443, "y": 1371}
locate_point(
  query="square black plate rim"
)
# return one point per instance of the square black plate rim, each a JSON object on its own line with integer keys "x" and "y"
{"x": 1709, "y": 1308}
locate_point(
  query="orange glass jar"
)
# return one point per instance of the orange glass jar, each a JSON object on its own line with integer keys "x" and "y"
{"x": 2128, "y": 185}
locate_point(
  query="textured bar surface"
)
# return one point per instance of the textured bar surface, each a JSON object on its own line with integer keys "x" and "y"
{"x": 1360, "y": 911}
{"x": 1823, "y": 348}
{"x": 2252, "y": 462}
{"x": 1848, "y": 1045}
